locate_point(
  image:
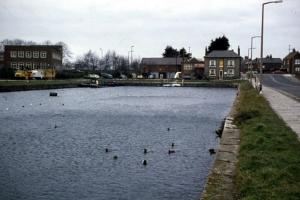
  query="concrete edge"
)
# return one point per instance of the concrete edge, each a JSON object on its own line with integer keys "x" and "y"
{"x": 219, "y": 183}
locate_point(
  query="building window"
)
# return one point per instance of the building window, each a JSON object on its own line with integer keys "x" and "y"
{"x": 14, "y": 65}
{"x": 20, "y": 54}
{"x": 13, "y": 54}
{"x": 35, "y": 54}
{"x": 230, "y": 72}
{"x": 297, "y": 69}
{"x": 212, "y": 63}
{"x": 230, "y": 63}
{"x": 28, "y": 65}
{"x": 43, "y": 54}
{"x": 297, "y": 62}
{"x": 34, "y": 65}
{"x": 212, "y": 72}
{"x": 28, "y": 54}
{"x": 43, "y": 65}
{"x": 20, "y": 65}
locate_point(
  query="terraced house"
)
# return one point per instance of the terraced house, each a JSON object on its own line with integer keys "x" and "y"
{"x": 221, "y": 64}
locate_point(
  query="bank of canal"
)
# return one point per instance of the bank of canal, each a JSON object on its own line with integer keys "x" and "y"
{"x": 24, "y": 85}
{"x": 267, "y": 163}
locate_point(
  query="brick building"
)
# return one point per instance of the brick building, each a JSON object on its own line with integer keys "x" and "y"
{"x": 222, "y": 64}
{"x": 27, "y": 57}
{"x": 193, "y": 69}
{"x": 292, "y": 62}
{"x": 161, "y": 67}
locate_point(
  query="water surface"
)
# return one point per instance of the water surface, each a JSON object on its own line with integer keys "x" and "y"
{"x": 54, "y": 147}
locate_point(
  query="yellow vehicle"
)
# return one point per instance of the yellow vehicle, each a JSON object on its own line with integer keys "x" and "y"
{"x": 23, "y": 74}
{"x": 35, "y": 74}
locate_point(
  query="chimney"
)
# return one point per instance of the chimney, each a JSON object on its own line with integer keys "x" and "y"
{"x": 239, "y": 51}
{"x": 294, "y": 50}
{"x": 206, "y": 50}
{"x": 271, "y": 56}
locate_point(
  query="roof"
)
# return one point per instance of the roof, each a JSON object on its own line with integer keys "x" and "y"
{"x": 161, "y": 61}
{"x": 59, "y": 47}
{"x": 195, "y": 61}
{"x": 291, "y": 54}
{"x": 270, "y": 60}
{"x": 222, "y": 54}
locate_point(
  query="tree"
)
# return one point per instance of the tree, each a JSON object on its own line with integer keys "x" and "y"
{"x": 67, "y": 54}
{"x": 220, "y": 43}
{"x": 91, "y": 60}
{"x": 184, "y": 54}
{"x": 170, "y": 52}
{"x": 15, "y": 42}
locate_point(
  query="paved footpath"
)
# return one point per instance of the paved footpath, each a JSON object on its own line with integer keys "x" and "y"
{"x": 287, "y": 108}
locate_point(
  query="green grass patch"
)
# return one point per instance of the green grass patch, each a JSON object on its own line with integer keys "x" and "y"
{"x": 269, "y": 159}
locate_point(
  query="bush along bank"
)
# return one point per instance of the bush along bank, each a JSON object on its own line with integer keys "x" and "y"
{"x": 269, "y": 157}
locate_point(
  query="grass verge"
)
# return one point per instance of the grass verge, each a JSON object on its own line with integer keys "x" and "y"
{"x": 269, "y": 158}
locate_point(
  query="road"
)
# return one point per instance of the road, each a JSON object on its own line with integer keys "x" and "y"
{"x": 284, "y": 83}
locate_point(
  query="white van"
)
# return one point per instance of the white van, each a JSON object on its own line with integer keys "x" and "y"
{"x": 37, "y": 74}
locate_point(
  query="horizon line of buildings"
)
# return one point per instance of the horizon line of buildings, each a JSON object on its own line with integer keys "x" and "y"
{"x": 218, "y": 64}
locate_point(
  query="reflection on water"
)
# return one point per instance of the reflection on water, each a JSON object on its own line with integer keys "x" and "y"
{"x": 54, "y": 147}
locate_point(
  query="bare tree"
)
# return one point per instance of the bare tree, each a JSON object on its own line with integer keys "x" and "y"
{"x": 67, "y": 54}
{"x": 89, "y": 61}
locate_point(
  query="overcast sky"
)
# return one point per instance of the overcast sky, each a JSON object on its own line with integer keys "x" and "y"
{"x": 151, "y": 25}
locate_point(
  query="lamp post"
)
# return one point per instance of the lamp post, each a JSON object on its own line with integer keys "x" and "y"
{"x": 128, "y": 59}
{"x": 262, "y": 32}
{"x": 251, "y": 64}
{"x": 131, "y": 50}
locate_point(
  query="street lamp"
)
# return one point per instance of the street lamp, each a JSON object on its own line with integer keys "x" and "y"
{"x": 131, "y": 54}
{"x": 257, "y": 36}
{"x": 101, "y": 52}
{"x": 262, "y": 32}
{"x": 251, "y": 58}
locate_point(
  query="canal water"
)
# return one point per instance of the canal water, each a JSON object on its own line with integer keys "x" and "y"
{"x": 54, "y": 147}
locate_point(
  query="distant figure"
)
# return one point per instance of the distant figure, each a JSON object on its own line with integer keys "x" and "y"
{"x": 106, "y": 150}
{"x": 23, "y": 106}
{"x": 173, "y": 144}
{"x": 168, "y": 129}
{"x": 171, "y": 151}
{"x": 63, "y": 104}
{"x": 212, "y": 151}
{"x": 145, "y": 151}
{"x": 115, "y": 157}
{"x": 55, "y": 126}
{"x": 40, "y": 104}
{"x": 145, "y": 162}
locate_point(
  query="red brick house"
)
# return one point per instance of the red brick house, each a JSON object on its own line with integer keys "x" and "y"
{"x": 292, "y": 62}
{"x": 161, "y": 67}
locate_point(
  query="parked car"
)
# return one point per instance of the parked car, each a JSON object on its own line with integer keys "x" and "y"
{"x": 93, "y": 76}
{"x": 106, "y": 75}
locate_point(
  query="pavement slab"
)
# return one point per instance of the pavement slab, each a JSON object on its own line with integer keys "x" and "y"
{"x": 285, "y": 107}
